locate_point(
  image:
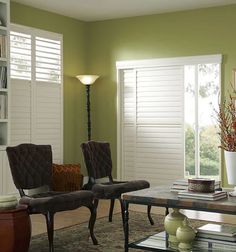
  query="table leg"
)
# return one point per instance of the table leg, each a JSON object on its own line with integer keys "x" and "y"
{"x": 126, "y": 227}
{"x": 167, "y": 211}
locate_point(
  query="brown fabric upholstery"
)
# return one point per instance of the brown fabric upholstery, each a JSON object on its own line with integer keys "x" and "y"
{"x": 114, "y": 190}
{"x": 31, "y": 167}
{"x": 97, "y": 157}
{"x": 66, "y": 177}
{"x": 57, "y": 201}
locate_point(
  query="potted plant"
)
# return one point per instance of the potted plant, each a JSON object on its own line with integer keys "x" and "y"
{"x": 226, "y": 117}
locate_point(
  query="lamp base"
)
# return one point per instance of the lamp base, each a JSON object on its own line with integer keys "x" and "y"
{"x": 233, "y": 193}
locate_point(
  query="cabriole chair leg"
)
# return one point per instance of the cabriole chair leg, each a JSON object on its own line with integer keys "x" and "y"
{"x": 92, "y": 220}
{"x": 122, "y": 211}
{"x": 111, "y": 209}
{"x": 50, "y": 228}
{"x": 149, "y": 214}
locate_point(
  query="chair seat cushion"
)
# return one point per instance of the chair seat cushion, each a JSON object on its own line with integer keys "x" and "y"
{"x": 57, "y": 201}
{"x": 114, "y": 190}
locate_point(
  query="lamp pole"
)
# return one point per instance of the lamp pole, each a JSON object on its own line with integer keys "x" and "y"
{"x": 88, "y": 111}
{"x": 88, "y": 80}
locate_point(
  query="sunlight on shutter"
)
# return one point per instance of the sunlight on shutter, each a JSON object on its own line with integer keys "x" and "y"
{"x": 20, "y": 44}
{"x": 48, "y": 60}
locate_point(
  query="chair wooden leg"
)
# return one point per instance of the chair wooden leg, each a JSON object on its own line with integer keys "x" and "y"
{"x": 92, "y": 220}
{"x": 50, "y": 229}
{"x": 149, "y": 214}
{"x": 111, "y": 209}
{"x": 122, "y": 211}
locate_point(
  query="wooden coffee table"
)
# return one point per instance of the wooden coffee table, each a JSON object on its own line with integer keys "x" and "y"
{"x": 162, "y": 197}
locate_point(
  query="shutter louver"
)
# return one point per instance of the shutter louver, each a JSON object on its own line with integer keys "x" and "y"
{"x": 48, "y": 60}
{"x": 20, "y": 55}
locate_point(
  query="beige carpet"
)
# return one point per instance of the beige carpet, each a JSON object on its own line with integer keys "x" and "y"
{"x": 109, "y": 235}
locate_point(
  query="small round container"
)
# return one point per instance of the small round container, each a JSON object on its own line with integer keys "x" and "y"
{"x": 201, "y": 185}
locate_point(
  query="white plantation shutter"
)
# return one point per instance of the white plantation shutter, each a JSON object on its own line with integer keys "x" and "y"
{"x": 48, "y": 60}
{"x": 37, "y": 89}
{"x": 20, "y": 55}
{"x": 129, "y": 123}
{"x": 48, "y": 118}
{"x": 20, "y": 108}
{"x": 152, "y": 140}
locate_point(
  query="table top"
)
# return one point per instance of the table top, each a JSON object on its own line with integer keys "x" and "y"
{"x": 162, "y": 196}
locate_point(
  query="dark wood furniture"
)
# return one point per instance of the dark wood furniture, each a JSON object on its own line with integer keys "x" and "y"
{"x": 162, "y": 197}
{"x": 31, "y": 168}
{"x": 15, "y": 230}
{"x": 97, "y": 157}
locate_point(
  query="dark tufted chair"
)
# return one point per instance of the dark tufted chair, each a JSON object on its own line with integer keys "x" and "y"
{"x": 31, "y": 167}
{"x": 97, "y": 157}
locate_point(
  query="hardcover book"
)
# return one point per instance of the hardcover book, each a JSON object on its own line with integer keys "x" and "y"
{"x": 218, "y": 229}
{"x": 203, "y": 195}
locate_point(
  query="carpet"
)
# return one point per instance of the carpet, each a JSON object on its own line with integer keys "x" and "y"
{"x": 110, "y": 235}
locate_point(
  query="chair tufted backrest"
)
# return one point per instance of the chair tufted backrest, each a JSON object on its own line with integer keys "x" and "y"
{"x": 97, "y": 156}
{"x": 31, "y": 165}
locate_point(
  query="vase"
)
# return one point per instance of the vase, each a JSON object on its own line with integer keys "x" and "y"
{"x": 185, "y": 234}
{"x": 172, "y": 222}
{"x": 230, "y": 163}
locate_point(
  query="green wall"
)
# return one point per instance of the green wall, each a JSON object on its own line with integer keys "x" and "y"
{"x": 96, "y": 46}
{"x": 196, "y": 32}
{"x": 74, "y": 44}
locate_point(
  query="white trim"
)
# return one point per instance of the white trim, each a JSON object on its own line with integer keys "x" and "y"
{"x": 197, "y": 136}
{"x": 35, "y": 31}
{"x": 202, "y": 59}
{"x": 8, "y": 74}
{"x": 183, "y": 134}
{"x": 62, "y": 103}
{"x": 119, "y": 113}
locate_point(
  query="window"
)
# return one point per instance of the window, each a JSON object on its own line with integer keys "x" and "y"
{"x": 35, "y": 57}
{"x": 202, "y": 87}
{"x": 165, "y": 124}
{"x": 36, "y": 88}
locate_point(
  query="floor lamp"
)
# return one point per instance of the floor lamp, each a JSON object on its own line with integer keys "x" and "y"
{"x": 88, "y": 80}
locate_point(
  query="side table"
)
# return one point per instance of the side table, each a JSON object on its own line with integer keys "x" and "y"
{"x": 15, "y": 230}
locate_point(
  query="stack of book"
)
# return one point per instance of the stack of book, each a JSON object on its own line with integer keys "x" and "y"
{"x": 3, "y": 77}
{"x": 179, "y": 185}
{"x": 202, "y": 196}
{"x": 3, "y": 106}
{"x": 157, "y": 241}
{"x": 2, "y": 46}
{"x": 182, "y": 185}
{"x": 216, "y": 236}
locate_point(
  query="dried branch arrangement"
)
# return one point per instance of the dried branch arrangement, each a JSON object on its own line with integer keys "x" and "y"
{"x": 226, "y": 117}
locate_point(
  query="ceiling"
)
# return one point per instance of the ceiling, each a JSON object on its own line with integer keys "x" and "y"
{"x": 94, "y": 10}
